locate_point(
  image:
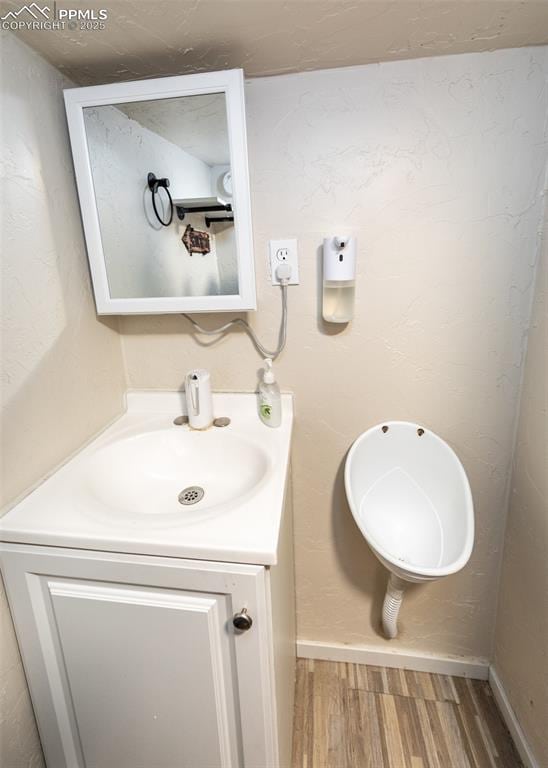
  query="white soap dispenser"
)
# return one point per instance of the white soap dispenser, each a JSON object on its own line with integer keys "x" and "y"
{"x": 199, "y": 401}
{"x": 270, "y": 400}
{"x": 339, "y": 273}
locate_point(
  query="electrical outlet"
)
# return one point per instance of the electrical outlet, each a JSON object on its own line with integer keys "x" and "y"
{"x": 284, "y": 252}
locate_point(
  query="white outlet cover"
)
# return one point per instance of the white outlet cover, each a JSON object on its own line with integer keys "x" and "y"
{"x": 284, "y": 251}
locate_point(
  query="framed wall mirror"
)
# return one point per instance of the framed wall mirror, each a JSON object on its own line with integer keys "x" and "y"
{"x": 162, "y": 175}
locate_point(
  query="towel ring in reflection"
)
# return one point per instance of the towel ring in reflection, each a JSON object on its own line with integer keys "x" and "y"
{"x": 154, "y": 185}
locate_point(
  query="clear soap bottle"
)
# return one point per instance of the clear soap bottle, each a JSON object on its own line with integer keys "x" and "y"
{"x": 270, "y": 399}
{"x": 339, "y": 273}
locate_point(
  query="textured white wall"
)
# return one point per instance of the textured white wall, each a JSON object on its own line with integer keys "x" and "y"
{"x": 62, "y": 372}
{"x": 437, "y": 166}
{"x": 521, "y": 639}
{"x": 144, "y": 258}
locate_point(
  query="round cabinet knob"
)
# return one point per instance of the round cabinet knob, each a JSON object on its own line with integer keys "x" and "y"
{"x": 242, "y": 620}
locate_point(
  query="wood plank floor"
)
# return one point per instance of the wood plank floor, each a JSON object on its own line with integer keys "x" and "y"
{"x": 357, "y": 716}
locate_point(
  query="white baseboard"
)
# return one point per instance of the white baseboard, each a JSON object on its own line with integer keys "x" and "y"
{"x": 478, "y": 669}
{"x": 511, "y": 720}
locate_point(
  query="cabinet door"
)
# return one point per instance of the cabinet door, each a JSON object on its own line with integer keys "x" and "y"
{"x": 133, "y": 662}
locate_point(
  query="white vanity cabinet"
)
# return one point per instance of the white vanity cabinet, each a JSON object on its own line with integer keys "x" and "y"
{"x": 134, "y": 661}
{"x": 124, "y": 599}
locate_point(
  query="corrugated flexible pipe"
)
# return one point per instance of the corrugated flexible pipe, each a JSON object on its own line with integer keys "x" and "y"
{"x": 391, "y": 606}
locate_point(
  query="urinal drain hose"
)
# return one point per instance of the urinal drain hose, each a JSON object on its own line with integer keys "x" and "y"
{"x": 391, "y": 606}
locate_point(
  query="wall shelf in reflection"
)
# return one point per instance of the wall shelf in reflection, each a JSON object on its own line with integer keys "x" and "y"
{"x": 209, "y": 220}
{"x": 200, "y": 205}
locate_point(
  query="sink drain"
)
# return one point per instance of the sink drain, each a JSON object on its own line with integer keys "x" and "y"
{"x": 191, "y": 495}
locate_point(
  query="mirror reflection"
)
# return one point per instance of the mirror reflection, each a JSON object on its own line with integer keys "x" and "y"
{"x": 162, "y": 180}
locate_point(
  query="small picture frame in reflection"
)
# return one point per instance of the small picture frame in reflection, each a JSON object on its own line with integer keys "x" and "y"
{"x": 196, "y": 241}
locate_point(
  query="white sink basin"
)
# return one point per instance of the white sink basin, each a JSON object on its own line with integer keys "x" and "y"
{"x": 139, "y": 477}
{"x": 124, "y": 492}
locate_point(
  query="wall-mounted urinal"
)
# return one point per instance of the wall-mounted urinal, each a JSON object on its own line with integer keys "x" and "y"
{"x": 411, "y": 500}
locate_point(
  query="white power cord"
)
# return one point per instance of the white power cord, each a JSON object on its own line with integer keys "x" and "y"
{"x": 283, "y": 273}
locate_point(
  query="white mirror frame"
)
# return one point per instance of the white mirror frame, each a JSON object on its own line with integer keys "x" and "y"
{"x": 231, "y": 83}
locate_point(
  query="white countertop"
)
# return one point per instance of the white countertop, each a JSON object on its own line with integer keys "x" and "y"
{"x": 57, "y": 513}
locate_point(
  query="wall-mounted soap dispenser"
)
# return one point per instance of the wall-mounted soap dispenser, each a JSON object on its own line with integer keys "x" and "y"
{"x": 339, "y": 272}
